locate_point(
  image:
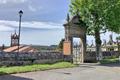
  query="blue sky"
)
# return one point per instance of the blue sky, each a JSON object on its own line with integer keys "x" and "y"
{"x": 34, "y": 10}
{"x": 41, "y": 22}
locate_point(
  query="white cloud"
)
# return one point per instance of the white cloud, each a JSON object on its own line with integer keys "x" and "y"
{"x": 12, "y": 1}
{"x": 11, "y": 25}
{"x": 5, "y": 28}
{"x": 31, "y": 8}
{"x": 34, "y": 8}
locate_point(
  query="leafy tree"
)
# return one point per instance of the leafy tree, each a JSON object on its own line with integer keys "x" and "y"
{"x": 111, "y": 14}
{"x": 60, "y": 46}
{"x": 98, "y": 15}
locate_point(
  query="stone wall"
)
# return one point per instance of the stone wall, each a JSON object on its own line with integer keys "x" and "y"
{"x": 29, "y": 58}
{"x": 10, "y": 59}
{"x": 91, "y": 56}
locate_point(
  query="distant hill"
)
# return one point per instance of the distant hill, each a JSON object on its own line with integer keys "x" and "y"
{"x": 38, "y": 47}
{"x": 41, "y": 47}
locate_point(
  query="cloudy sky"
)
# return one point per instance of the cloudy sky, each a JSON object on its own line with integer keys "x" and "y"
{"x": 41, "y": 22}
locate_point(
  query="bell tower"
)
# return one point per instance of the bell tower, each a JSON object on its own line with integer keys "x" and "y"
{"x": 14, "y": 39}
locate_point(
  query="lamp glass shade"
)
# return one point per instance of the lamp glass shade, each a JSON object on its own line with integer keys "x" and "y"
{"x": 20, "y": 12}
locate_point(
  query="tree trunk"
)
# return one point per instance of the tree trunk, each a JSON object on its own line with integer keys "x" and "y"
{"x": 98, "y": 45}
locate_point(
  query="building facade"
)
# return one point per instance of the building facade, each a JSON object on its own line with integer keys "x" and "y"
{"x": 14, "y": 39}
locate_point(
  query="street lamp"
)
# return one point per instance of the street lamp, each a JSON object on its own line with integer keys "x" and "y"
{"x": 20, "y": 15}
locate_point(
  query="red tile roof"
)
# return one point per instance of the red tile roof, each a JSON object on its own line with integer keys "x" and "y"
{"x": 21, "y": 49}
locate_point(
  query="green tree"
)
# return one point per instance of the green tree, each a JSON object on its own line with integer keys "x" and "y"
{"x": 60, "y": 46}
{"x": 111, "y": 14}
{"x": 98, "y": 15}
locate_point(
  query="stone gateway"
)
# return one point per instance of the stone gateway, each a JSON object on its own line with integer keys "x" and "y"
{"x": 75, "y": 27}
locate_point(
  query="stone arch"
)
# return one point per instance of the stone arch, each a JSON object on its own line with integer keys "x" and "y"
{"x": 74, "y": 28}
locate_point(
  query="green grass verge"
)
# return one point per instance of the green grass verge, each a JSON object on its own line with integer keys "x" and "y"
{"x": 108, "y": 61}
{"x": 34, "y": 67}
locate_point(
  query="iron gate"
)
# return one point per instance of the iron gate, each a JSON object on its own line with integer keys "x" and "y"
{"x": 76, "y": 53}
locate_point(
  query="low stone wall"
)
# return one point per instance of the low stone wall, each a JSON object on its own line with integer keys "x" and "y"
{"x": 91, "y": 56}
{"x": 10, "y": 59}
{"x": 30, "y": 58}
{"x": 111, "y": 53}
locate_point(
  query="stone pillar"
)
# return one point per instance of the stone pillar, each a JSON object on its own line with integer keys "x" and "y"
{"x": 67, "y": 48}
{"x": 83, "y": 51}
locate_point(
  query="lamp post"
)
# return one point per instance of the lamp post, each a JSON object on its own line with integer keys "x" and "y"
{"x": 20, "y": 16}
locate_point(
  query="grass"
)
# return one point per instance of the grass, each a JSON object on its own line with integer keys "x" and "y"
{"x": 34, "y": 67}
{"x": 108, "y": 61}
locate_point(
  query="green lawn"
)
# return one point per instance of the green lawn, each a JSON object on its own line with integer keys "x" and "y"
{"x": 34, "y": 67}
{"x": 108, "y": 61}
